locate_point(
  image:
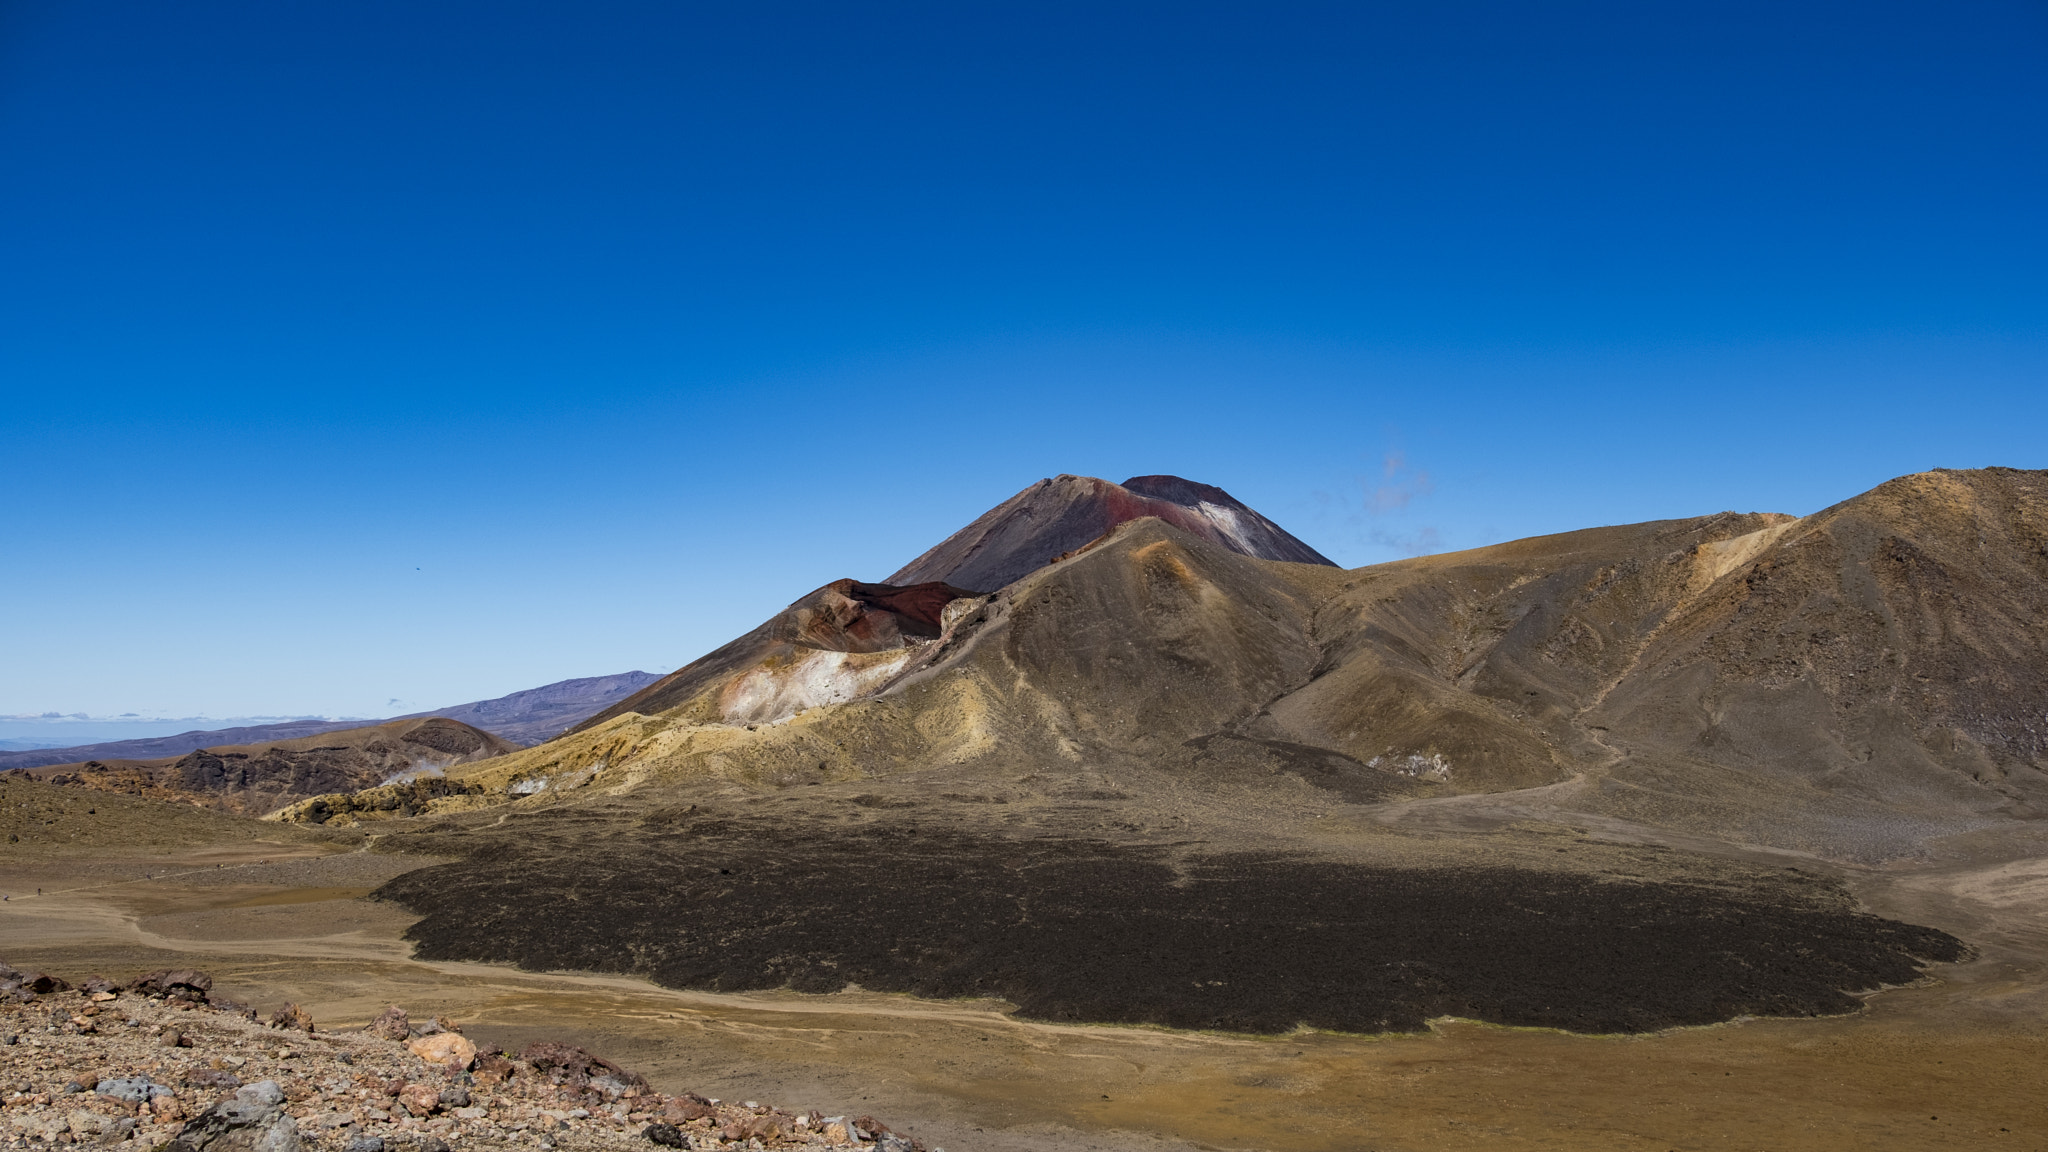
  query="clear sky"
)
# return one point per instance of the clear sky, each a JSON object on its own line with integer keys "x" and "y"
{"x": 362, "y": 357}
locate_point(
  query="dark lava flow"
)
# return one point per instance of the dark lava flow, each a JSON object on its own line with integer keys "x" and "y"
{"x": 1087, "y": 931}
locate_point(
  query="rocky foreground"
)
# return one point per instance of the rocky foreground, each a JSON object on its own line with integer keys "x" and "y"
{"x": 156, "y": 1064}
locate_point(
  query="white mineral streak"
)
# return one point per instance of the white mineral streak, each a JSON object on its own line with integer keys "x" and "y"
{"x": 1228, "y": 522}
{"x": 417, "y": 771}
{"x": 817, "y": 678}
{"x": 1431, "y": 767}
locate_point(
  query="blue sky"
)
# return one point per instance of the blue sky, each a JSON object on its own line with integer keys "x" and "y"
{"x": 358, "y": 358}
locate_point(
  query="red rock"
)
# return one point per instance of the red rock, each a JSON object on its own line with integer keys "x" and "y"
{"x": 419, "y": 1099}
{"x": 573, "y": 1069}
{"x": 391, "y": 1024}
{"x": 682, "y": 1111}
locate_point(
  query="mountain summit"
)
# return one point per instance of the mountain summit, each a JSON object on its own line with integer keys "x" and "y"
{"x": 1055, "y": 517}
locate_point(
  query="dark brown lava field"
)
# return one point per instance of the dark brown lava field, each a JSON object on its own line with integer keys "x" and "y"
{"x": 1079, "y": 930}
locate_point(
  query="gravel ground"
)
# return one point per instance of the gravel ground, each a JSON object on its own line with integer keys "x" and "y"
{"x": 61, "y": 1051}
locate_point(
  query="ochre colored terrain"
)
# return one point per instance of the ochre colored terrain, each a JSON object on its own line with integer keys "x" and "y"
{"x": 1745, "y": 807}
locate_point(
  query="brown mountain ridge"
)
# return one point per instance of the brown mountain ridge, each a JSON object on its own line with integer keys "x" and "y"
{"x": 1464, "y": 784}
{"x": 1850, "y": 682}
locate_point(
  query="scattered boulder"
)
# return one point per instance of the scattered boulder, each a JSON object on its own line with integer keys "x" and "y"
{"x": 252, "y": 1120}
{"x": 132, "y": 1089}
{"x": 686, "y": 1108}
{"x": 293, "y": 1016}
{"x": 572, "y": 1067}
{"x": 451, "y": 1048}
{"x": 391, "y": 1024}
{"x": 572, "y": 1093}
{"x": 42, "y": 983}
{"x": 174, "y": 984}
{"x": 98, "y": 986}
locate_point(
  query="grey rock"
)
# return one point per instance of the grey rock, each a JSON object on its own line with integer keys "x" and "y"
{"x": 132, "y": 1089}
{"x": 265, "y": 1092}
{"x": 249, "y": 1121}
{"x": 455, "y": 1097}
{"x": 667, "y": 1135}
{"x": 366, "y": 1144}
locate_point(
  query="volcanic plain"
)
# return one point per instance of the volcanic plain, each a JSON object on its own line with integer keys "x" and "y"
{"x": 1707, "y": 833}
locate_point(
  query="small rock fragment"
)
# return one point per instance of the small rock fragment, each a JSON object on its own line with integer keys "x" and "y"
{"x": 419, "y": 1099}
{"x": 392, "y": 1024}
{"x": 684, "y": 1109}
{"x": 667, "y": 1135}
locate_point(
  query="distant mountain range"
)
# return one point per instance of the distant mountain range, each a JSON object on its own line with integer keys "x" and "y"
{"x": 257, "y": 777}
{"x": 524, "y": 718}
